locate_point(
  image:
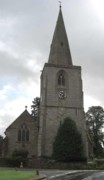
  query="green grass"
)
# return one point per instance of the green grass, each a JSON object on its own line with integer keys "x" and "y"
{"x": 16, "y": 175}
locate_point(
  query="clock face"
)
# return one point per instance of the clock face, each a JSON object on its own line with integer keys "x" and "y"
{"x": 62, "y": 94}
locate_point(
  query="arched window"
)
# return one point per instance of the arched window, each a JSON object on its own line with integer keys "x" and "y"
{"x": 19, "y": 135}
{"x": 61, "y": 80}
{"x": 23, "y": 133}
{"x": 27, "y": 135}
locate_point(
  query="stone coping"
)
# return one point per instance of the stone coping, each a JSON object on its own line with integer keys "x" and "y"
{"x": 41, "y": 177}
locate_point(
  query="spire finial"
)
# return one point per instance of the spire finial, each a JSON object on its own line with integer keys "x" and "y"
{"x": 25, "y": 107}
{"x": 60, "y": 4}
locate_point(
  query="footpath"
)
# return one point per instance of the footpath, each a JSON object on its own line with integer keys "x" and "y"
{"x": 54, "y": 175}
{"x": 41, "y": 177}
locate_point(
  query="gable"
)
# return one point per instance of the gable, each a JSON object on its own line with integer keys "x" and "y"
{"x": 24, "y": 118}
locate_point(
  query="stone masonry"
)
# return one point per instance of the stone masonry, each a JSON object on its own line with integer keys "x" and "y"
{"x": 54, "y": 108}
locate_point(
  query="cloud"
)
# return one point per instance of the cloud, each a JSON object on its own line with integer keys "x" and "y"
{"x": 3, "y": 93}
{"x": 18, "y": 68}
{"x": 91, "y": 101}
{"x": 12, "y": 109}
{"x": 26, "y": 30}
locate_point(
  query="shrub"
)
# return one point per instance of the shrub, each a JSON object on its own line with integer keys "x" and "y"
{"x": 20, "y": 152}
{"x": 17, "y": 157}
{"x": 68, "y": 144}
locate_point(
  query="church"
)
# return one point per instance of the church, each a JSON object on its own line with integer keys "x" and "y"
{"x": 61, "y": 96}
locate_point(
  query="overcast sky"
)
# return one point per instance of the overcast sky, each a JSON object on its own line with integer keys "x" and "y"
{"x": 26, "y": 31}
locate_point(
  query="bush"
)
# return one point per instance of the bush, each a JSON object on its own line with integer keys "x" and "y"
{"x": 21, "y": 153}
{"x": 16, "y": 161}
{"x": 68, "y": 144}
{"x": 17, "y": 157}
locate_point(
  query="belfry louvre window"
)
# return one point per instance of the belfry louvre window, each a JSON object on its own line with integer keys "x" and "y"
{"x": 61, "y": 80}
{"x": 23, "y": 133}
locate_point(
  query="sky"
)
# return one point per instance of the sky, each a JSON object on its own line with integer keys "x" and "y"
{"x": 26, "y": 31}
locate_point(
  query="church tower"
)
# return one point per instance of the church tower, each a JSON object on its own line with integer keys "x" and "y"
{"x": 61, "y": 92}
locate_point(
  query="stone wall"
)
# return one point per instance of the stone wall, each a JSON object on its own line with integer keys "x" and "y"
{"x": 53, "y": 110}
{"x": 12, "y": 135}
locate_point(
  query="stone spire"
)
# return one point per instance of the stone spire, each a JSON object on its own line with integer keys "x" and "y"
{"x": 60, "y": 51}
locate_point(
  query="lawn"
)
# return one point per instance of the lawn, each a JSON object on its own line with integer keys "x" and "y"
{"x": 17, "y": 175}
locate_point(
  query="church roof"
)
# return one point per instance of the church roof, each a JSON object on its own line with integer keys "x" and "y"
{"x": 60, "y": 51}
{"x": 23, "y": 117}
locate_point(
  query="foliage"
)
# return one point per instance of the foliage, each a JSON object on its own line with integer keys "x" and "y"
{"x": 1, "y": 145}
{"x": 35, "y": 108}
{"x": 17, "y": 157}
{"x": 20, "y": 153}
{"x": 68, "y": 144}
{"x": 5, "y": 146}
{"x": 95, "y": 123}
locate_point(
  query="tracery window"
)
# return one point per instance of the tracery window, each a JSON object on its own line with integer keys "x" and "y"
{"x": 61, "y": 80}
{"x": 23, "y": 133}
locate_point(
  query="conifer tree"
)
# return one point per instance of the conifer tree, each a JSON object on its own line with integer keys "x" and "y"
{"x": 35, "y": 108}
{"x": 68, "y": 144}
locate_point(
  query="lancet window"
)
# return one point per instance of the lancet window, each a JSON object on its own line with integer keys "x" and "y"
{"x": 23, "y": 133}
{"x": 61, "y": 80}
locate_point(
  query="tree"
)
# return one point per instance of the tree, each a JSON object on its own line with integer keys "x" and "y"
{"x": 5, "y": 146}
{"x": 95, "y": 123}
{"x": 68, "y": 144}
{"x": 35, "y": 108}
{"x": 1, "y": 145}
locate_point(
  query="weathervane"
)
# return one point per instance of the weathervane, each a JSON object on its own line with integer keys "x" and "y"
{"x": 60, "y": 4}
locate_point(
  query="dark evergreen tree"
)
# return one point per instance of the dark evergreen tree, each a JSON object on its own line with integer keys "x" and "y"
{"x": 95, "y": 123}
{"x": 35, "y": 108}
{"x": 68, "y": 144}
{"x": 1, "y": 145}
{"x": 5, "y": 145}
